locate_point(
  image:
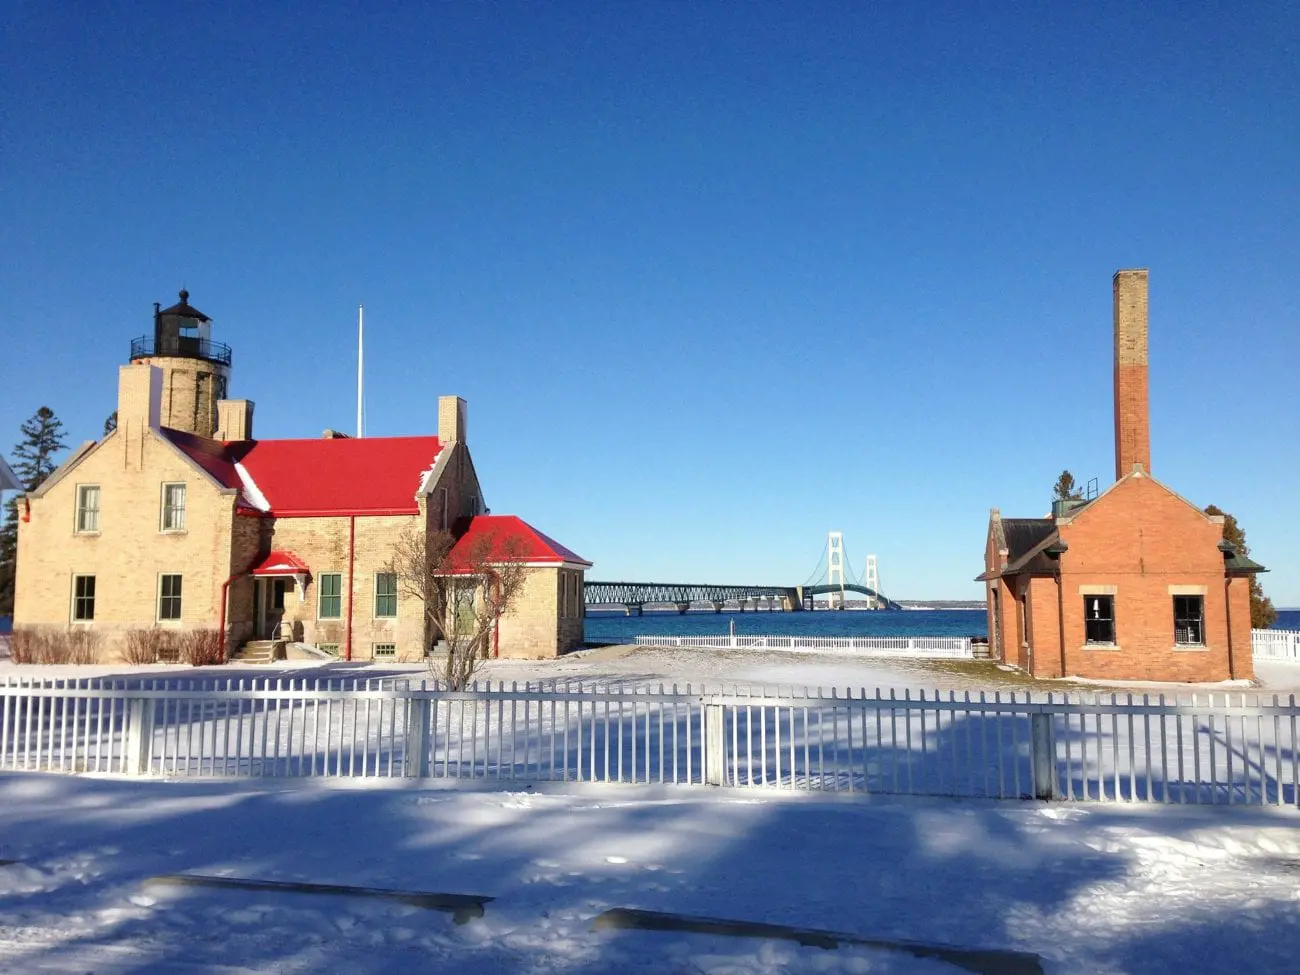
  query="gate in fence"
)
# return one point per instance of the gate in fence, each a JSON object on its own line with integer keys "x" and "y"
{"x": 1206, "y": 749}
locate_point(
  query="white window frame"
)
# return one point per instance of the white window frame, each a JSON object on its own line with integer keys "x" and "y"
{"x": 162, "y": 522}
{"x": 93, "y": 598}
{"x": 84, "y": 509}
{"x": 375, "y": 605}
{"x": 320, "y": 595}
{"x": 390, "y": 650}
{"x": 180, "y": 599}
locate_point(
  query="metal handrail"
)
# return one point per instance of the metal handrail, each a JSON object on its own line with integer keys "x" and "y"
{"x": 183, "y": 346}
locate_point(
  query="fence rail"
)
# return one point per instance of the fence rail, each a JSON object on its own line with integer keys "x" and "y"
{"x": 1276, "y": 645}
{"x": 876, "y": 646}
{"x": 1202, "y": 749}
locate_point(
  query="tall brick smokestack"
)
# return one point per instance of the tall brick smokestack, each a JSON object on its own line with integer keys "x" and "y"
{"x": 1132, "y": 402}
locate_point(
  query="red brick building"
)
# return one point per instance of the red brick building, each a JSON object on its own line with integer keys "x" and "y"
{"x": 1135, "y": 584}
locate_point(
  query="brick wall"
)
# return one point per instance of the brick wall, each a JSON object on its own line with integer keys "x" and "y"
{"x": 129, "y": 551}
{"x": 190, "y": 392}
{"x": 547, "y": 618}
{"x": 1142, "y": 544}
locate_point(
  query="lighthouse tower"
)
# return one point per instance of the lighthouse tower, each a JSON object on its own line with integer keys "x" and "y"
{"x": 196, "y": 370}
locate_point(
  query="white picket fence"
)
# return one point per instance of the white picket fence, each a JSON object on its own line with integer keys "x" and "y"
{"x": 1276, "y": 645}
{"x": 952, "y": 647}
{"x": 1191, "y": 749}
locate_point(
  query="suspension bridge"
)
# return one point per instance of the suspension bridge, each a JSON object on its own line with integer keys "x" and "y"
{"x": 833, "y": 577}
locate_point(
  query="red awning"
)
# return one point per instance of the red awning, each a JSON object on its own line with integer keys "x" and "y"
{"x": 281, "y": 564}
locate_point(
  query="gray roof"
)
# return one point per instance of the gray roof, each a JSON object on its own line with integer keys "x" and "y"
{"x": 1025, "y": 534}
{"x": 8, "y": 479}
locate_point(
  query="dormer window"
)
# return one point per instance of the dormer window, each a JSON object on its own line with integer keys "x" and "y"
{"x": 88, "y": 509}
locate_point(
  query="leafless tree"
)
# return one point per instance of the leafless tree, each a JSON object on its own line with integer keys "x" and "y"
{"x": 464, "y": 596}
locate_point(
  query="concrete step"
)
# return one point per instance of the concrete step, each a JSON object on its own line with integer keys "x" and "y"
{"x": 257, "y": 652}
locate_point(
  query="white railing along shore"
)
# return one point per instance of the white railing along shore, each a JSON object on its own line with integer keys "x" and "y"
{"x": 958, "y": 647}
{"x": 1197, "y": 748}
{"x": 1276, "y": 645}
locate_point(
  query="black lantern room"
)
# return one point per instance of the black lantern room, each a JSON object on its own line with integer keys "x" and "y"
{"x": 182, "y": 332}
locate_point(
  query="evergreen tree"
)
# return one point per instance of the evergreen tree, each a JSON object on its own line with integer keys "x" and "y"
{"x": 1262, "y": 613}
{"x": 33, "y": 463}
{"x": 1065, "y": 489}
{"x": 111, "y": 423}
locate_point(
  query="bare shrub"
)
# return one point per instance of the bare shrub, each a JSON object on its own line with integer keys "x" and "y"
{"x": 143, "y": 646}
{"x": 53, "y": 648}
{"x": 203, "y": 648}
{"x": 464, "y": 594}
{"x": 83, "y": 646}
{"x": 27, "y": 644}
{"x": 45, "y": 645}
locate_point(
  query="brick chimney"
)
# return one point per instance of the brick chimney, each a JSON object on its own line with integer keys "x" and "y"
{"x": 234, "y": 420}
{"x": 1132, "y": 403}
{"x": 451, "y": 419}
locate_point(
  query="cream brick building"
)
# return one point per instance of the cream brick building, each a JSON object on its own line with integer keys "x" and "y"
{"x": 181, "y": 519}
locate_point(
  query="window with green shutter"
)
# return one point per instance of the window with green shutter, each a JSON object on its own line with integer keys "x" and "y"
{"x": 331, "y": 595}
{"x": 385, "y": 595}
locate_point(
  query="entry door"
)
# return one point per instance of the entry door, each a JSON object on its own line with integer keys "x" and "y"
{"x": 268, "y": 606}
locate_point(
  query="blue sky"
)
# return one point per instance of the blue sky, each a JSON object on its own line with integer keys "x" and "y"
{"x": 714, "y": 278}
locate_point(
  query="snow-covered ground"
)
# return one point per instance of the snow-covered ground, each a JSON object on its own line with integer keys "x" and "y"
{"x": 1101, "y": 889}
{"x": 655, "y": 665}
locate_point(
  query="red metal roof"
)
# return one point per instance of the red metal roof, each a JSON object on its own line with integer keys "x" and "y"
{"x": 281, "y": 564}
{"x": 319, "y": 478}
{"x": 507, "y": 538}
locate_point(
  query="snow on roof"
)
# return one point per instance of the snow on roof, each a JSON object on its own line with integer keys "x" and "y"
{"x": 318, "y": 477}
{"x": 507, "y": 538}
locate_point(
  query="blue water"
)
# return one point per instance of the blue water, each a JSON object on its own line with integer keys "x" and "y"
{"x": 610, "y": 627}
{"x": 606, "y": 627}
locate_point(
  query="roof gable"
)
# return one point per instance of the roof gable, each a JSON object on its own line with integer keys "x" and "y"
{"x": 1128, "y": 480}
{"x": 507, "y": 538}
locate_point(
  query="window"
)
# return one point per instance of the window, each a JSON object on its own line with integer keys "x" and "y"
{"x": 385, "y": 649}
{"x": 385, "y": 595}
{"x": 88, "y": 508}
{"x": 169, "y": 597}
{"x": 173, "y": 513}
{"x": 564, "y": 595}
{"x": 463, "y": 620}
{"x": 331, "y": 648}
{"x": 1099, "y": 619}
{"x": 1189, "y": 620}
{"x": 83, "y": 599}
{"x": 331, "y": 596}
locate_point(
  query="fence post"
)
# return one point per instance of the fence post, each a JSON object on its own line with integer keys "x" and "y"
{"x": 714, "y": 745}
{"x": 416, "y": 753}
{"x": 139, "y": 735}
{"x": 1043, "y": 752}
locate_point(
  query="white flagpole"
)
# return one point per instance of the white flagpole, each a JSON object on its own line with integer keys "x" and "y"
{"x": 361, "y": 353}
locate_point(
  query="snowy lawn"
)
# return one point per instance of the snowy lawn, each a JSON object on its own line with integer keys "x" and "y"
{"x": 1090, "y": 889}
{"x": 651, "y": 665}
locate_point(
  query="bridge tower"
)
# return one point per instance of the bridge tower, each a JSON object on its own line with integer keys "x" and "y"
{"x": 872, "y": 580}
{"x": 835, "y": 565}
